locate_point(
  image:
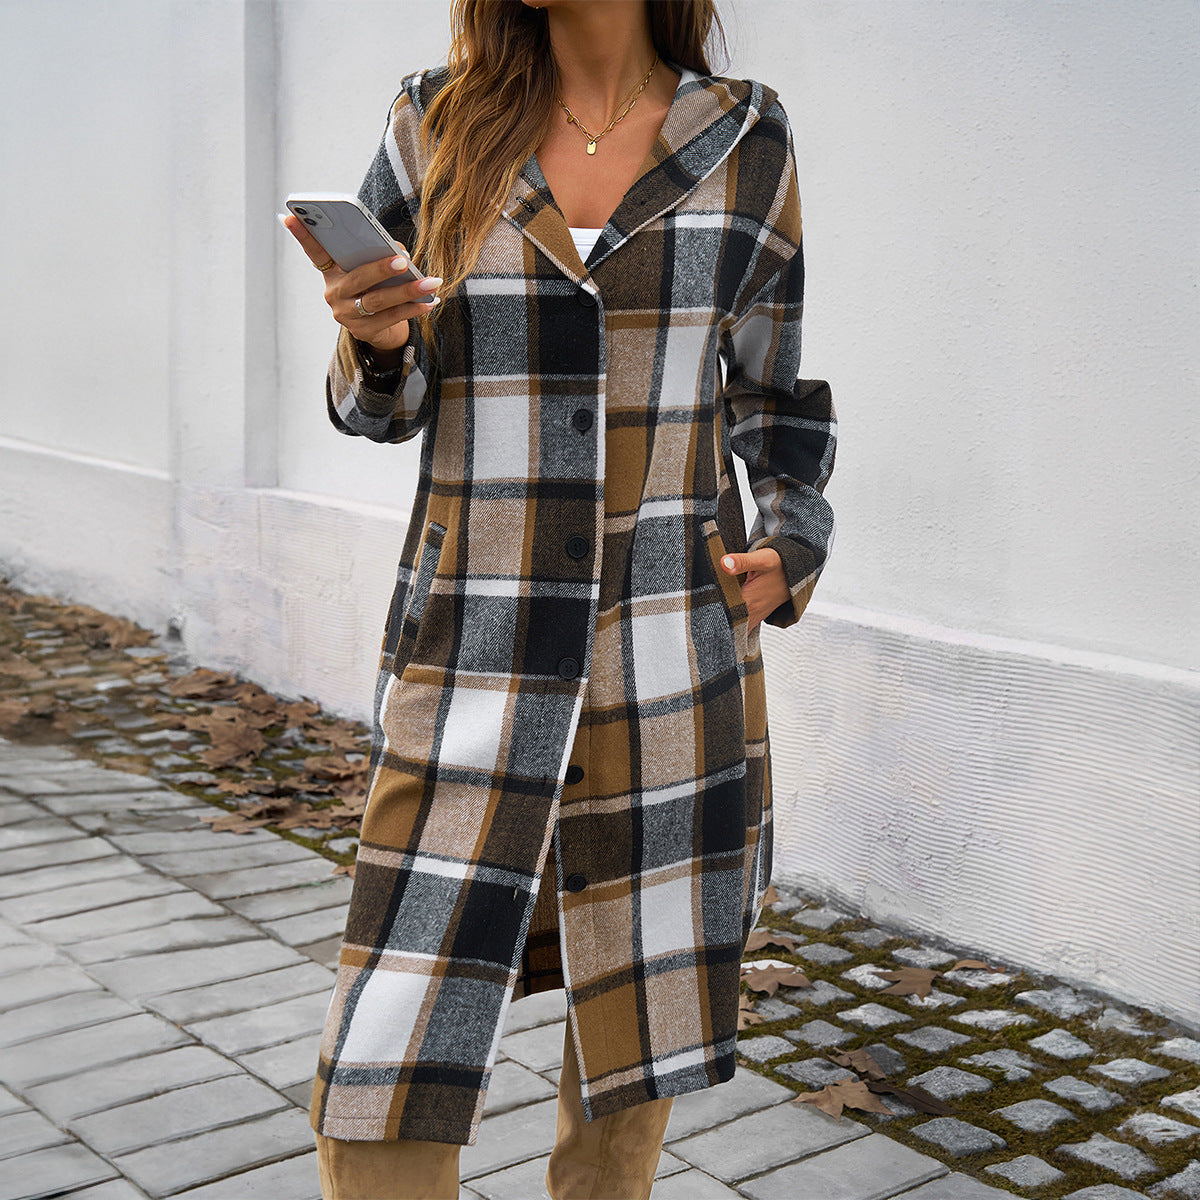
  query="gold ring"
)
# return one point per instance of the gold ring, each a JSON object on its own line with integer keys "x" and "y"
{"x": 323, "y": 267}
{"x": 362, "y": 312}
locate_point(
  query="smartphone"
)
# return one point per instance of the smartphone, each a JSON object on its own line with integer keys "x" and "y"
{"x": 349, "y": 233}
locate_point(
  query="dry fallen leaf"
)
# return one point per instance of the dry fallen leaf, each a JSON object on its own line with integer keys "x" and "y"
{"x": 771, "y": 896}
{"x": 233, "y": 822}
{"x": 859, "y": 1061}
{"x": 746, "y": 1014}
{"x": 918, "y": 1097}
{"x": 344, "y": 869}
{"x": 202, "y": 684}
{"x": 909, "y": 981}
{"x": 771, "y": 937}
{"x": 846, "y": 1093}
{"x": 973, "y": 964}
{"x": 770, "y": 979}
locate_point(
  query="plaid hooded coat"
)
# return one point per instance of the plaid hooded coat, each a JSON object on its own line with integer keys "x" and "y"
{"x": 570, "y": 780}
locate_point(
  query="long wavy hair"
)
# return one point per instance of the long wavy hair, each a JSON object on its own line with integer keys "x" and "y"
{"x": 483, "y": 125}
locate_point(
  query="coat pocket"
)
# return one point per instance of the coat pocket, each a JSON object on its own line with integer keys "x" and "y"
{"x": 730, "y": 589}
{"x": 427, "y": 564}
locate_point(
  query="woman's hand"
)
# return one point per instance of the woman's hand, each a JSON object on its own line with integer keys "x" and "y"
{"x": 765, "y": 587}
{"x": 385, "y": 327}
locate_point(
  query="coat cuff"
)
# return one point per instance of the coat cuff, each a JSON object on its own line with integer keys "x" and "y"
{"x": 376, "y": 391}
{"x": 800, "y": 571}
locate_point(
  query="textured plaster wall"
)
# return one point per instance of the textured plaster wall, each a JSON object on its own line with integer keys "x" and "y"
{"x": 986, "y": 726}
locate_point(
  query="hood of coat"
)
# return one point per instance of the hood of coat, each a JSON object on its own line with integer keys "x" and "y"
{"x": 708, "y": 116}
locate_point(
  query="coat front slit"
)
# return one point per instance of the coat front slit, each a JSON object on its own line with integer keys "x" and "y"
{"x": 570, "y": 769}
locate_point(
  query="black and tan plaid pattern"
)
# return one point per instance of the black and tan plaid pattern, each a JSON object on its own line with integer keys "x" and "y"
{"x": 560, "y": 604}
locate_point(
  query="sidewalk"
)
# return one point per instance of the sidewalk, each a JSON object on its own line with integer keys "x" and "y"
{"x": 162, "y": 987}
{"x": 163, "y": 982}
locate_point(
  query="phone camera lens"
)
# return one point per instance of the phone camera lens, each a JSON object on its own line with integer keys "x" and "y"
{"x": 310, "y": 221}
{"x": 300, "y": 212}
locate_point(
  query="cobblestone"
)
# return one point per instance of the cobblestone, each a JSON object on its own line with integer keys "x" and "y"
{"x": 1129, "y": 1070}
{"x": 1012, "y": 1063}
{"x": 1059, "y": 1001}
{"x": 948, "y": 1083}
{"x": 821, "y": 993}
{"x": 1061, "y": 1043}
{"x": 1185, "y": 1048}
{"x": 933, "y": 1039}
{"x": 1086, "y": 1095}
{"x": 763, "y": 1049}
{"x": 819, "y": 918}
{"x": 959, "y": 1137}
{"x": 873, "y": 1016}
{"x": 1184, "y": 1184}
{"x": 1155, "y": 1128}
{"x": 923, "y": 956}
{"x": 820, "y": 1033}
{"x": 995, "y": 1018}
{"x": 1122, "y": 1159}
{"x": 1188, "y": 1102}
{"x": 1036, "y": 1116}
{"x": 816, "y": 1072}
{"x": 1026, "y": 1171}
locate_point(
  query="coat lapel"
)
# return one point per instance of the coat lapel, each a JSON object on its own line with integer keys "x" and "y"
{"x": 707, "y": 118}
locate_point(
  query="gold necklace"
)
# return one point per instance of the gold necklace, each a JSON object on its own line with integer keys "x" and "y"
{"x": 593, "y": 138}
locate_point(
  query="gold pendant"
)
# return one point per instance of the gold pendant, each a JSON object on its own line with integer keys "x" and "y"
{"x": 591, "y": 147}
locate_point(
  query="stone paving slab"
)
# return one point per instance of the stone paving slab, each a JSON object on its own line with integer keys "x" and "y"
{"x": 286, "y": 1065}
{"x": 330, "y": 892}
{"x": 123, "y": 1082}
{"x": 189, "y": 933}
{"x": 175, "y": 1114}
{"x": 263, "y": 1026}
{"x": 61, "y": 902}
{"x": 868, "y": 1167}
{"x": 240, "y": 995}
{"x": 122, "y": 918}
{"x": 61, "y": 1014}
{"x": 306, "y": 928}
{"x": 187, "y": 1163}
{"x": 765, "y": 1140}
{"x": 45, "y": 879}
{"x": 27, "y": 1130}
{"x": 174, "y": 970}
{"x": 51, "y": 1172}
{"x": 292, "y": 1179}
{"x": 65, "y": 1054}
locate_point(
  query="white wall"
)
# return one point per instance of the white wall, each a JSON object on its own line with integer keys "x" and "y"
{"x": 986, "y": 726}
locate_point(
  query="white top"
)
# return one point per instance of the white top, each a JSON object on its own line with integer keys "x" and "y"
{"x": 584, "y": 239}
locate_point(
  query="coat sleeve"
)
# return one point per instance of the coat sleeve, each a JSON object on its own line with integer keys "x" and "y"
{"x": 782, "y": 427}
{"x": 393, "y": 405}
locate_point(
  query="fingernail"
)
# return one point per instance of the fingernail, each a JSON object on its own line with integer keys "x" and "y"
{"x": 430, "y": 283}
{"x": 432, "y": 300}
{"x": 399, "y": 264}
{"x": 281, "y": 218}
{"x": 727, "y": 563}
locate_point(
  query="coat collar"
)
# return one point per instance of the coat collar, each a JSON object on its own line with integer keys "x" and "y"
{"x": 707, "y": 117}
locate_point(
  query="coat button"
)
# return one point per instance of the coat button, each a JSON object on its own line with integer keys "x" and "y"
{"x": 568, "y": 668}
{"x": 574, "y": 773}
{"x": 582, "y": 419}
{"x": 585, "y": 298}
{"x": 576, "y": 883}
{"x": 577, "y": 546}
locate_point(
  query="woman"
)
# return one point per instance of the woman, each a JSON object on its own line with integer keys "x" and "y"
{"x": 570, "y": 781}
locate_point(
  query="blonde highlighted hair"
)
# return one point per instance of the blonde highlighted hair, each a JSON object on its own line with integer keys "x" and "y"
{"x": 495, "y": 109}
